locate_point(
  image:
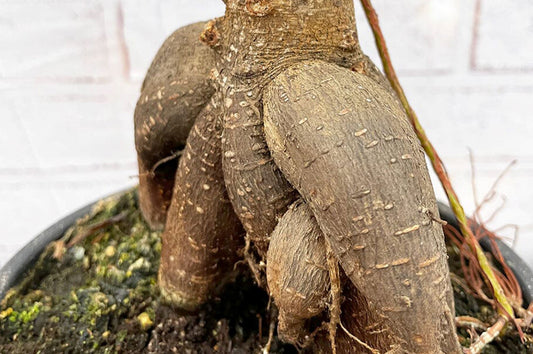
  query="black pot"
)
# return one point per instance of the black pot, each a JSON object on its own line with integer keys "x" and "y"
{"x": 15, "y": 268}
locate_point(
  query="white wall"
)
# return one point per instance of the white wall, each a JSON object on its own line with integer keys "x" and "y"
{"x": 70, "y": 72}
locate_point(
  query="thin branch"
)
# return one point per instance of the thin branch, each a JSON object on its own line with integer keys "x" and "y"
{"x": 165, "y": 160}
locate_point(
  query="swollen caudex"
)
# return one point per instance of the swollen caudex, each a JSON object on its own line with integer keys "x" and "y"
{"x": 394, "y": 256}
{"x": 202, "y": 235}
{"x": 174, "y": 91}
{"x": 297, "y": 276}
{"x": 304, "y": 114}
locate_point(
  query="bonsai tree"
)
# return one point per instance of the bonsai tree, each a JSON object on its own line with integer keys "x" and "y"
{"x": 297, "y": 156}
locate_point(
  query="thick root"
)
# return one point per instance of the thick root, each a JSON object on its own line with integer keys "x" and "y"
{"x": 355, "y": 160}
{"x": 175, "y": 90}
{"x": 257, "y": 189}
{"x": 202, "y": 235}
{"x": 296, "y": 272}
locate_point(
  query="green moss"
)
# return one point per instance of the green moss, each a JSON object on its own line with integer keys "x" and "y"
{"x": 103, "y": 279}
{"x": 101, "y": 297}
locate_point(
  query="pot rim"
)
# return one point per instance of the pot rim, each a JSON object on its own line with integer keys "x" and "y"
{"x": 12, "y": 272}
{"x": 14, "y": 269}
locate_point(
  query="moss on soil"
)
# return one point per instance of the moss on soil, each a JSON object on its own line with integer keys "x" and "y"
{"x": 101, "y": 298}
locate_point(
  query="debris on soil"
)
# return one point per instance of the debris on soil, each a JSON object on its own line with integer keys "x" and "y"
{"x": 101, "y": 297}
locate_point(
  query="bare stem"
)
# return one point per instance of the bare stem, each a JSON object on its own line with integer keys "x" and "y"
{"x": 505, "y": 308}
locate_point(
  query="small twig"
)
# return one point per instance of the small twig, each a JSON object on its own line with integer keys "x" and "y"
{"x": 487, "y": 336}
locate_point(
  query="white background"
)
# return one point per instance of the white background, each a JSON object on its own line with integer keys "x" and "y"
{"x": 70, "y": 72}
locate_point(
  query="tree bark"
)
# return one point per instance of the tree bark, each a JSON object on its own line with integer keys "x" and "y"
{"x": 297, "y": 275}
{"x": 202, "y": 237}
{"x": 304, "y": 114}
{"x": 175, "y": 90}
{"x": 346, "y": 145}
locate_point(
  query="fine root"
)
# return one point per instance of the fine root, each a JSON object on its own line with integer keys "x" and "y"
{"x": 335, "y": 289}
{"x": 163, "y": 161}
{"x": 374, "y": 351}
{"x": 487, "y": 336}
{"x": 252, "y": 264}
{"x": 470, "y": 322}
{"x": 60, "y": 247}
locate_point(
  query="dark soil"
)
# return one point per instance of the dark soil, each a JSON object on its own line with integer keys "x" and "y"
{"x": 101, "y": 298}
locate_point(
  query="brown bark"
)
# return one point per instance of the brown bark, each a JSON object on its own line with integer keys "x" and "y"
{"x": 297, "y": 276}
{"x": 337, "y": 138}
{"x": 175, "y": 89}
{"x": 202, "y": 236}
{"x": 257, "y": 41}
{"x": 344, "y": 142}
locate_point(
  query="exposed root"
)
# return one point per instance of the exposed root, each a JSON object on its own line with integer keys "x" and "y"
{"x": 374, "y": 351}
{"x": 335, "y": 289}
{"x": 526, "y": 315}
{"x": 470, "y": 322}
{"x": 271, "y": 328}
{"x": 164, "y": 160}
{"x": 487, "y": 336}
{"x": 250, "y": 259}
{"x": 479, "y": 259}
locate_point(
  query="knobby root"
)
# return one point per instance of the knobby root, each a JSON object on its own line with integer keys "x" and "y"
{"x": 470, "y": 322}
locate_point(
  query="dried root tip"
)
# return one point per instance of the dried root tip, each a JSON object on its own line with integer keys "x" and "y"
{"x": 210, "y": 35}
{"x": 259, "y": 8}
{"x": 296, "y": 272}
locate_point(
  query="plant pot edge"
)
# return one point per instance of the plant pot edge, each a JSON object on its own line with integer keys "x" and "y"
{"x": 13, "y": 270}
{"x": 16, "y": 266}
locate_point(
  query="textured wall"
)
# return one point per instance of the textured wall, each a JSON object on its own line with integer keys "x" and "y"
{"x": 70, "y": 72}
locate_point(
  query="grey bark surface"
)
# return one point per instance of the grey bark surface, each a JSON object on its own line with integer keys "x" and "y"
{"x": 346, "y": 145}
{"x": 176, "y": 88}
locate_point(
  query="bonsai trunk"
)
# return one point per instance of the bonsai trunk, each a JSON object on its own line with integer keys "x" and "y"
{"x": 302, "y": 113}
